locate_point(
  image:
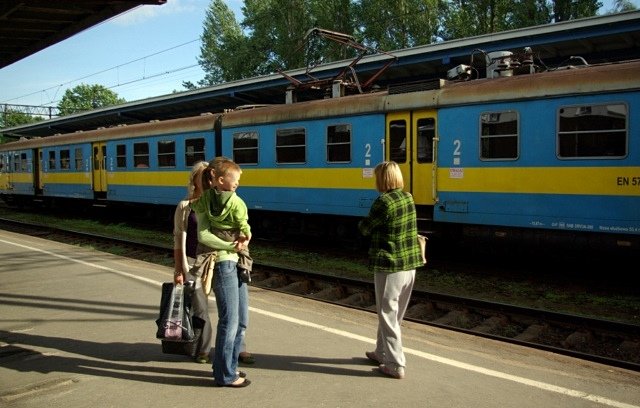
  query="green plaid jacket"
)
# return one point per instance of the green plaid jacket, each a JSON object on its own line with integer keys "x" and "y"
{"x": 392, "y": 225}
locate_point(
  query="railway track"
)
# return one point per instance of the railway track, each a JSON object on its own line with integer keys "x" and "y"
{"x": 604, "y": 341}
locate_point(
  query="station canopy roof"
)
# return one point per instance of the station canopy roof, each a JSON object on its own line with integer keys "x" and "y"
{"x": 607, "y": 38}
{"x": 27, "y": 27}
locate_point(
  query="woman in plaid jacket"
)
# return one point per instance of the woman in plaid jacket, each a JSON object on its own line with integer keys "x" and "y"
{"x": 394, "y": 255}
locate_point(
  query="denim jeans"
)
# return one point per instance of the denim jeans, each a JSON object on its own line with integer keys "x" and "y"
{"x": 233, "y": 317}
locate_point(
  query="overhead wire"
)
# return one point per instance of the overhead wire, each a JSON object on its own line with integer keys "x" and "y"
{"x": 116, "y": 67}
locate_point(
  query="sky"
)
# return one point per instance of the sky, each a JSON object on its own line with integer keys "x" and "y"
{"x": 143, "y": 53}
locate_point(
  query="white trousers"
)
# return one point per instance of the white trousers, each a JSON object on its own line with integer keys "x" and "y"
{"x": 393, "y": 292}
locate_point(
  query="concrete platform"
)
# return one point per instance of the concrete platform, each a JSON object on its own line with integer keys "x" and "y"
{"x": 77, "y": 329}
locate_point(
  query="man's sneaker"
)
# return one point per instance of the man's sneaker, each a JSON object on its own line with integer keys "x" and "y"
{"x": 373, "y": 356}
{"x": 397, "y": 373}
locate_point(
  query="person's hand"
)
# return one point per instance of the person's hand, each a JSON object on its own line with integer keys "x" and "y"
{"x": 241, "y": 243}
{"x": 178, "y": 279}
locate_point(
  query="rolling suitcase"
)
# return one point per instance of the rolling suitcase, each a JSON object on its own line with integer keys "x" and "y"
{"x": 177, "y": 328}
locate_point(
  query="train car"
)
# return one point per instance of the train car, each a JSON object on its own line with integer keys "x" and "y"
{"x": 150, "y": 163}
{"x": 520, "y": 155}
{"x": 554, "y": 152}
{"x": 17, "y": 173}
{"x": 138, "y": 164}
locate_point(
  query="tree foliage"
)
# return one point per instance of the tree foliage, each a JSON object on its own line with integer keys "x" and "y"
{"x": 86, "y": 97}
{"x": 223, "y": 52}
{"x": 10, "y": 118}
{"x": 394, "y": 25}
{"x": 565, "y": 10}
{"x": 622, "y": 5}
{"x": 272, "y": 34}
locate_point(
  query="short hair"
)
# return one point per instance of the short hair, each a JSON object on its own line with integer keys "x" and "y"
{"x": 208, "y": 176}
{"x": 223, "y": 165}
{"x": 218, "y": 167}
{"x": 388, "y": 176}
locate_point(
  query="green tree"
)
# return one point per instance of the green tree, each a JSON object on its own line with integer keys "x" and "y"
{"x": 271, "y": 37}
{"x": 224, "y": 54}
{"x": 277, "y": 29}
{"x": 272, "y": 33}
{"x": 527, "y": 13}
{"x": 10, "y": 118}
{"x": 622, "y": 5}
{"x": 469, "y": 18}
{"x": 390, "y": 26}
{"x": 565, "y": 10}
{"x": 334, "y": 15}
{"x": 87, "y": 97}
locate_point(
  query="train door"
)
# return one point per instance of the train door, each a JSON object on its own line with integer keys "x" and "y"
{"x": 410, "y": 143}
{"x": 37, "y": 171}
{"x": 5, "y": 168}
{"x": 423, "y": 136}
{"x": 99, "y": 160}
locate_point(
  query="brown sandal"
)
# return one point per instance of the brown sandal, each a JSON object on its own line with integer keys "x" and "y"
{"x": 246, "y": 358}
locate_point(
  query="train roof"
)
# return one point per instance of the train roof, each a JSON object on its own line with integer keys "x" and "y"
{"x": 612, "y": 37}
{"x": 607, "y": 77}
{"x": 202, "y": 123}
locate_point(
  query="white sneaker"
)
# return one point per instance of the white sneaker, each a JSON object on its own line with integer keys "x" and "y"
{"x": 373, "y": 356}
{"x": 397, "y": 373}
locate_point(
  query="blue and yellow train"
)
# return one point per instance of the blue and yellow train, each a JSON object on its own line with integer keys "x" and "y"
{"x": 529, "y": 157}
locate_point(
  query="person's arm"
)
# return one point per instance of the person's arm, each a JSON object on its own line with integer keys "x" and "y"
{"x": 376, "y": 218}
{"x": 178, "y": 275}
{"x": 242, "y": 215}
{"x": 206, "y": 237}
{"x": 180, "y": 223}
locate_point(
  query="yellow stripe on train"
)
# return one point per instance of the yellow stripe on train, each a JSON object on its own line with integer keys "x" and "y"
{"x": 623, "y": 181}
{"x": 67, "y": 178}
{"x": 343, "y": 178}
{"x": 18, "y": 177}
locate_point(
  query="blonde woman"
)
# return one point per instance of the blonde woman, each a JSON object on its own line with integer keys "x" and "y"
{"x": 185, "y": 243}
{"x": 394, "y": 255}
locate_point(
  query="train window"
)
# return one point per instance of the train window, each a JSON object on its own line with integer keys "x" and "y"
{"x": 499, "y": 135}
{"x": 78, "y": 158}
{"x": 592, "y": 131}
{"x": 398, "y": 141}
{"x": 339, "y": 143}
{"x": 121, "y": 156}
{"x": 52, "y": 160}
{"x": 291, "y": 145}
{"x": 245, "y": 147}
{"x": 426, "y": 133}
{"x": 16, "y": 163}
{"x": 65, "y": 159}
{"x": 193, "y": 151}
{"x": 23, "y": 162}
{"x": 141, "y": 155}
{"x": 166, "y": 153}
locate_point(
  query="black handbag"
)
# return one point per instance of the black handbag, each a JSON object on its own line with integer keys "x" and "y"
{"x": 175, "y": 322}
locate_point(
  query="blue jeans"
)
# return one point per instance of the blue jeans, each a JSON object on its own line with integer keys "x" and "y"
{"x": 233, "y": 317}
